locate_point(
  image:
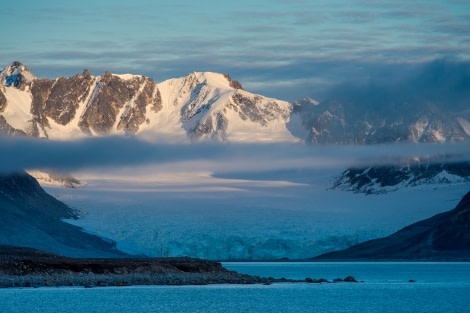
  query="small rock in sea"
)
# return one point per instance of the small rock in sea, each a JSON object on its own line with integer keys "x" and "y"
{"x": 350, "y": 279}
{"x": 338, "y": 280}
{"x": 412, "y": 281}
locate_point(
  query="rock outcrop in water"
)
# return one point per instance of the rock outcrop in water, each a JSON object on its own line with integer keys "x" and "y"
{"x": 443, "y": 237}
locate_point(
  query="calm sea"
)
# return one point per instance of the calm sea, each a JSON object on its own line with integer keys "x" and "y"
{"x": 386, "y": 287}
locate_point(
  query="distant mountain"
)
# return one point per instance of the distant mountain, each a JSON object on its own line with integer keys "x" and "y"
{"x": 29, "y": 217}
{"x": 413, "y": 172}
{"x": 443, "y": 237}
{"x": 352, "y": 121}
{"x": 195, "y": 107}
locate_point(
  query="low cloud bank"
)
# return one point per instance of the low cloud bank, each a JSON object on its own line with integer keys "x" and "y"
{"x": 119, "y": 152}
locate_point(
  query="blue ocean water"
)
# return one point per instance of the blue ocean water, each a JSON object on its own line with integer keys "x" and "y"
{"x": 439, "y": 287}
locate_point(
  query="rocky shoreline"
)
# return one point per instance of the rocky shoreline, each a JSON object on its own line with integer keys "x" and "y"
{"x": 22, "y": 267}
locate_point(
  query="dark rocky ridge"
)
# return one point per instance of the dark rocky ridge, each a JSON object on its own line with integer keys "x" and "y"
{"x": 381, "y": 179}
{"x": 30, "y": 217}
{"x": 443, "y": 237}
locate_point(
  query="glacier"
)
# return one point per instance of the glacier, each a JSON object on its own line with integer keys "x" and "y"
{"x": 289, "y": 214}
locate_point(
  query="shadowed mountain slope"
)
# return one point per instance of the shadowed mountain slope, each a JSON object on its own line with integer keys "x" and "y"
{"x": 443, "y": 237}
{"x": 29, "y": 217}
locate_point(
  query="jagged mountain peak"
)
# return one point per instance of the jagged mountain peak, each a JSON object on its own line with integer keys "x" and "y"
{"x": 212, "y": 79}
{"x": 200, "y": 105}
{"x": 15, "y": 74}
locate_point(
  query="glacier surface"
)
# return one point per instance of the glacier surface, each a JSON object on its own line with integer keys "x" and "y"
{"x": 243, "y": 216}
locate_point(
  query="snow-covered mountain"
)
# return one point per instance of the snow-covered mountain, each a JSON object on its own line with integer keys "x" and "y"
{"x": 382, "y": 121}
{"x": 195, "y": 107}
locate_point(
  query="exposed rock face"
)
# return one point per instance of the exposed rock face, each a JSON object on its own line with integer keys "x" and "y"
{"x": 443, "y": 237}
{"x": 233, "y": 83}
{"x": 207, "y": 127}
{"x": 65, "y": 95}
{"x": 135, "y": 113}
{"x": 32, "y": 218}
{"x": 40, "y": 90}
{"x": 109, "y": 97}
{"x": 257, "y": 110}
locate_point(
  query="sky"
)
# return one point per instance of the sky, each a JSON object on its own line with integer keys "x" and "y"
{"x": 277, "y": 48}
